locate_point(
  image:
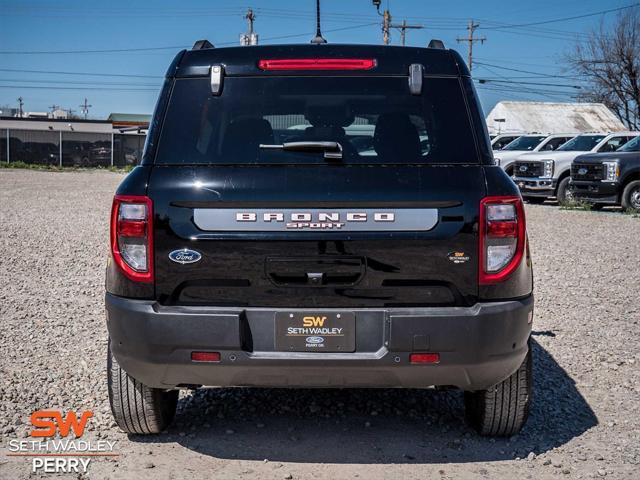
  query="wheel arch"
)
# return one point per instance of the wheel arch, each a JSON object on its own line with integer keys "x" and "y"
{"x": 565, "y": 173}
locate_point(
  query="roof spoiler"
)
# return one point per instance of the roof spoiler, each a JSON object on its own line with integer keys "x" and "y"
{"x": 202, "y": 45}
{"x": 435, "y": 43}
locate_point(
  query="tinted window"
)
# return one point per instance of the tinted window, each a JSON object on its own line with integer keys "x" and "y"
{"x": 127, "y": 149}
{"x": 3, "y": 145}
{"x": 581, "y": 143}
{"x": 500, "y": 143}
{"x": 81, "y": 149}
{"x": 525, "y": 143}
{"x": 613, "y": 144}
{"x": 375, "y": 119}
{"x": 632, "y": 146}
{"x": 554, "y": 143}
{"x": 33, "y": 146}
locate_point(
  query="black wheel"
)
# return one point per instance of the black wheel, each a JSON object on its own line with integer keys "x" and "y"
{"x": 563, "y": 193}
{"x": 535, "y": 200}
{"x": 631, "y": 196}
{"x": 502, "y": 410}
{"x": 137, "y": 408}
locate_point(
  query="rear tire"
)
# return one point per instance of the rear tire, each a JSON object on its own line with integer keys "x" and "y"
{"x": 502, "y": 409}
{"x": 137, "y": 408}
{"x": 563, "y": 194}
{"x": 631, "y": 196}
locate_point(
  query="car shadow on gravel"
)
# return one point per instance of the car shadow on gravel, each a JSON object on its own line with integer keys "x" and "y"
{"x": 370, "y": 426}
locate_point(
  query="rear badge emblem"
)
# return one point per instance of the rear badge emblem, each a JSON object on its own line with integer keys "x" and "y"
{"x": 184, "y": 256}
{"x": 458, "y": 257}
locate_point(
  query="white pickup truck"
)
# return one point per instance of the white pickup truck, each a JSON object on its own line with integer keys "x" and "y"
{"x": 542, "y": 175}
{"x": 529, "y": 143}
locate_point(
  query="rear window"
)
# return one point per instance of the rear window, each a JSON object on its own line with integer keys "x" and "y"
{"x": 524, "y": 143}
{"x": 375, "y": 119}
{"x": 632, "y": 146}
{"x": 581, "y": 143}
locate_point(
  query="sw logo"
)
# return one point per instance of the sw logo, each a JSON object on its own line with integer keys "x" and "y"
{"x": 48, "y": 422}
{"x": 458, "y": 257}
{"x": 313, "y": 321}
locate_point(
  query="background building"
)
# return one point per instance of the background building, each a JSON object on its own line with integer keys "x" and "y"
{"x": 549, "y": 117}
{"x": 70, "y": 143}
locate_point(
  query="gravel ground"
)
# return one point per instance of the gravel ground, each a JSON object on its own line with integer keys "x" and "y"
{"x": 584, "y": 422}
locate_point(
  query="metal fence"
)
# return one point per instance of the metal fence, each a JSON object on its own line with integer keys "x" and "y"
{"x": 70, "y": 149}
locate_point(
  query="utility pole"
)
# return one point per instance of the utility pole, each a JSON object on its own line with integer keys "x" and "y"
{"x": 471, "y": 28}
{"x": 387, "y": 25}
{"x": 20, "y": 105}
{"x": 249, "y": 38}
{"x": 404, "y": 27}
{"x": 84, "y": 108}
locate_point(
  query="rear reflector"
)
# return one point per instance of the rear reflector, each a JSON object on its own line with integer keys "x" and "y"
{"x": 317, "y": 64}
{"x": 205, "y": 356}
{"x": 502, "y": 229}
{"x": 424, "y": 358}
{"x": 132, "y": 228}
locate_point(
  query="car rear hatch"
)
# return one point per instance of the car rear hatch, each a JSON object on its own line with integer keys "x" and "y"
{"x": 391, "y": 223}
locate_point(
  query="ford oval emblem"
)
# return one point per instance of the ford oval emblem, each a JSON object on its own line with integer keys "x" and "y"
{"x": 582, "y": 171}
{"x": 523, "y": 168}
{"x": 314, "y": 340}
{"x": 185, "y": 256}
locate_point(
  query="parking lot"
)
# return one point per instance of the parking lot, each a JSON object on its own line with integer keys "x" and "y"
{"x": 583, "y": 424}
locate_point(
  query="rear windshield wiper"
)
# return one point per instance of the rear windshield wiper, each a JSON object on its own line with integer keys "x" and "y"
{"x": 332, "y": 150}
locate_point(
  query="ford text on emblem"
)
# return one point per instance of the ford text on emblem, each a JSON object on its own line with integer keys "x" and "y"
{"x": 582, "y": 171}
{"x": 523, "y": 168}
{"x": 314, "y": 340}
{"x": 185, "y": 256}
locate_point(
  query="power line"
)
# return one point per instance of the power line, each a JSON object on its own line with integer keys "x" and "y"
{"x": 520, "y": 71}
{"x": 575, "y": 17}
{"x": 487, "y": 80}
{"x": 174, "y": 47}
{"x": 36, "y": 87}
{"x": 71, "y": 82}
{"x": 81, "y": 73}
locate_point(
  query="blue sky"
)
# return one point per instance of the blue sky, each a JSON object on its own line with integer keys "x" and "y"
{"x": 34, "y": 33}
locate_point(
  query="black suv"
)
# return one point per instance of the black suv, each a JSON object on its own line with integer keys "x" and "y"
{"x": 608, "y": 178}
{"x": 318, "y": 216}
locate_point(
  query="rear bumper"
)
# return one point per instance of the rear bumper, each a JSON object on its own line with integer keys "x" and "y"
{"x": 536, "y": 187}
{"x": 478, "y": 346}
{"x": 596, "y": 191}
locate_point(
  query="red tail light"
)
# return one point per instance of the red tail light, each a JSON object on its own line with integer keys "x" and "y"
{"x": 502, "y": 237}
{"x": 132, "y": 236}
{"x": 317, "y": 64}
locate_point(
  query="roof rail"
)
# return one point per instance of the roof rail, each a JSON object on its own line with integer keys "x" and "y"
{"x": 435, "y": 43}
{"x": 202, "y": 45}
